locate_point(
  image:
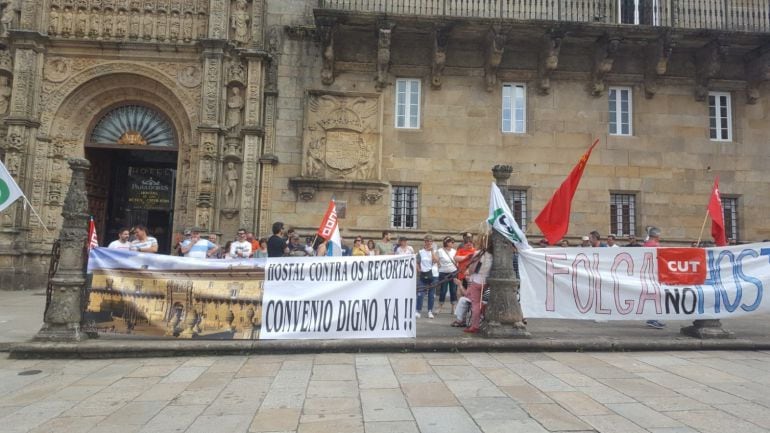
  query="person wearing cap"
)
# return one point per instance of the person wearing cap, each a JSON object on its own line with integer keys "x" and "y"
{"x": 295, "y": 246}
{"x": 241, "y": 247}
{"x": 426, "y": 258}
{"x": 198, "y": 247}
{"x": 585, "y": 241}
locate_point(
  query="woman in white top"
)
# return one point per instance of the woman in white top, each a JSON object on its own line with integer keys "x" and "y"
{"x": 426, "y": 258}
{"x": 446, "y": 268}
{"x": 477, "y": 280}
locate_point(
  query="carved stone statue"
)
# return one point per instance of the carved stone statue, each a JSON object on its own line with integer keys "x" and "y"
{"x": 239, "y": 22}
{"x": 135, "y": 24}
{"x": 162, "y": 26}
{"x": 315, "y": 155}
{"x": 231, "y": 185}
{"x": 66, "y": 24}
{"x": 121, "y": 25}
{"x": 107, "y": 24}
{"x": 5, "y": 94}
{"x": 174, "y": 27}
{"x": 187, "y": 27}
{"x": 494, "y": 55}
{"x": 201, "y": 26}
{"x": 53, "y": 22}
{"x": 95, "y": 29}
{"x": 234, "y": 106}
{"x": 81, "y": 23}
{"x": 8, "y": 18}
{"x": 147, "y": 25}
{"x": 383, "y": 57}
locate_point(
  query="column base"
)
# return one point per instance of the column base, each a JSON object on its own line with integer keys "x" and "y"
{"x": 499, "y": 330}
{"x": 707, "y": 330}
{"x": 60, "y": 333}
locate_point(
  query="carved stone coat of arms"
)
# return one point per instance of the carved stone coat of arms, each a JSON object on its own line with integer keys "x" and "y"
{"x": 342, "y": 136}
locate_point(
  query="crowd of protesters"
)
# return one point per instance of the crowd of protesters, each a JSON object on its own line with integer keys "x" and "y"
{"x": 446, "y": 270}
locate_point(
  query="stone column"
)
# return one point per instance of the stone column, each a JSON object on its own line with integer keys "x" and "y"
{"x": 503, "y": 317}
{"x": 252, "y": 133}
{"x": 706, "y": 330}
{"x": 64, "y": 313}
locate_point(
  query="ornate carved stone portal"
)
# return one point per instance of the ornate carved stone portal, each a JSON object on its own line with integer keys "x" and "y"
{"x": 341, "y": 143}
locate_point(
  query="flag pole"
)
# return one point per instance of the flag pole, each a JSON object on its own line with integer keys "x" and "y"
{"x": 702, "y": 227}
{"x": 36, "y": 215}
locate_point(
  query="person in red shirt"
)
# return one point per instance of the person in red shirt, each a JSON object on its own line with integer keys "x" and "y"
{"x": 463, "y": 257}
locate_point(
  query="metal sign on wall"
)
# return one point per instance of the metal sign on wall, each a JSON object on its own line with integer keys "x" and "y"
{"x": 150, "y": 188}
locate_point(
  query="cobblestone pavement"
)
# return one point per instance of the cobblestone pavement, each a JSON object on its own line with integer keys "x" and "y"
{"x": 661, "y": 392}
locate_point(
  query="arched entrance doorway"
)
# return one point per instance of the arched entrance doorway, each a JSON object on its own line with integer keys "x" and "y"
{"x": 133, "y": 149}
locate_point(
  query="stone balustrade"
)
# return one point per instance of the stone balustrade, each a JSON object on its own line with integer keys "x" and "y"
{"x": 733, "y": 15}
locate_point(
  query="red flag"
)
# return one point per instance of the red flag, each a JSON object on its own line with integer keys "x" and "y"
{"x": 93, "y": 242}
{"x": 554, "y": 218}
{"x": 717, "y": 216}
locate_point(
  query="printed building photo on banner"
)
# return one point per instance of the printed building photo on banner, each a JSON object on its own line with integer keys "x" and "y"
{"x": 156, "y": 296}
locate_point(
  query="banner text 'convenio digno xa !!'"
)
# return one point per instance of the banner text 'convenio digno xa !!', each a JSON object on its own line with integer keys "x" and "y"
{"x": 281, "y": 298}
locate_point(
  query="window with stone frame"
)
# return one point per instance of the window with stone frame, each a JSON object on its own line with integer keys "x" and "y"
{"x": 517, "y": 201}
{"x": 621, "y": 110}
{"x": 515, "y": 108}
{"x": 623, "y": 214}
{"x": 720, "y": 116}
{"x": 407, "y": 103}
{"x": 730, "y": 209}
{"x": 404, "y": 205}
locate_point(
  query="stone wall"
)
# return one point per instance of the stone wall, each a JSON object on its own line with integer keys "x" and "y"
{"x": 669, "y": 162}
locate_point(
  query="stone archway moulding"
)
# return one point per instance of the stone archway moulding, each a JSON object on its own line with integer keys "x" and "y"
{"x": 65, "y": 95}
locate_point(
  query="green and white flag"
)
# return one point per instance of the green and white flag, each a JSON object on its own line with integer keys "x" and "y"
{"x": 9, "y": 191}
{"x": 501, "y": 219}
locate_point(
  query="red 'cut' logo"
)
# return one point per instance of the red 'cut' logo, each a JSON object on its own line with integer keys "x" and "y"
{"x": 681, "y": 266}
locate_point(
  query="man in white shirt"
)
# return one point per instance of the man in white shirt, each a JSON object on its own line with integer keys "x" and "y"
{"x": 122, "y": 242}
{"x": 241, "y": 247}
{"x": 198, "y": 247}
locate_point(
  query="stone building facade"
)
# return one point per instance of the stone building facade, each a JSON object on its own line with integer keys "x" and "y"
{"x": 236, "y": 113}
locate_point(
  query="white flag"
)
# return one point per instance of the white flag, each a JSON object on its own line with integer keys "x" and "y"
{"x": 9, "y": 190}
{"x": 501, "y": 219}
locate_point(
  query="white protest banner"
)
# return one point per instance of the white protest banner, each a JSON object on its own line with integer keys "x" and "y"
{"x": 339, "y": 297}
{"x": 644, "y": 283}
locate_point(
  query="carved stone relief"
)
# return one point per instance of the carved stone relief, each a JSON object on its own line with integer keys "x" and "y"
{"x": 605, "y": 50}
{"x": 708, "y": 63}
{"x": 440, "y": 45}
{"x": 383, "y": 55}
{"x": 189, "y": 76}
{"x": 549, "y": 59}
{"x": 342, "y": 137}
{"x": 495, "y": 46}
{"x": 658, "y": 56}
{"x": 57, "y": 70}
{"x": 5, "y": 94}
{"x": 184, "y": 20}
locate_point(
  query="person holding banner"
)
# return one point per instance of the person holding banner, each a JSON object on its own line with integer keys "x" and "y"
{"x": 447, "y": 269}
{"x": 142, "y": 242}
{"x": 241, "y": 248}
{"x": 426, "y": 258}
{"x": 276, "y": 245}
{"x": 481, "y": 265}
{"x": 122, "y": 242}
